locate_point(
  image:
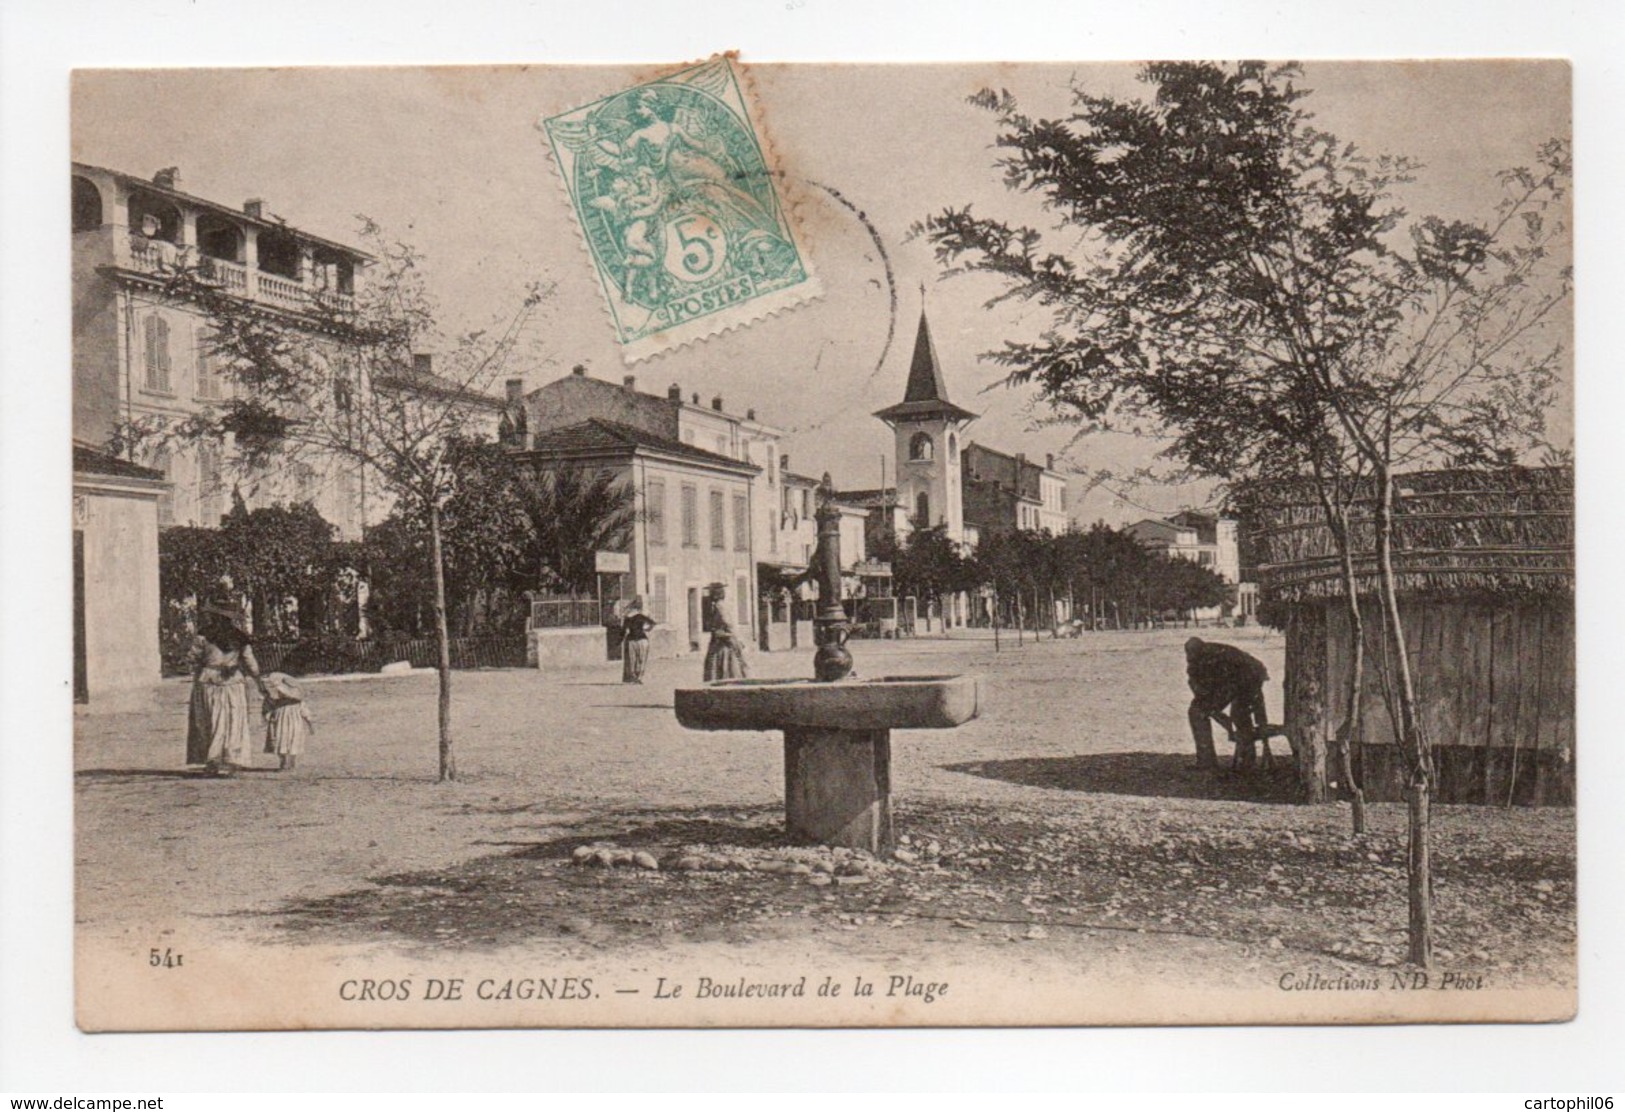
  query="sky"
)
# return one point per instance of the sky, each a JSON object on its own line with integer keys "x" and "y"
{"x": 451, "y": 160}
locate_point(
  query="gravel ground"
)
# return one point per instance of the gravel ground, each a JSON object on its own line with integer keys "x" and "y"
{"x": 1064, "y": 825}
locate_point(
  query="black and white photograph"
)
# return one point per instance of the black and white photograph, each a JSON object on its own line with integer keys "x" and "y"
{"x": 697, "y": 546}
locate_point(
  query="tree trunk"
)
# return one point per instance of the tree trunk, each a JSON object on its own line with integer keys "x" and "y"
{"x": 442, "y": 635}
{"x": 1417, "y": 753}
{"x": 995, "y": 620}
{"x": 1348, "y": 734}
{"x": 1419, "y": 872}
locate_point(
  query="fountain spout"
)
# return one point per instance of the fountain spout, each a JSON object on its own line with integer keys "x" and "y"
{"x": 832, "y": 661}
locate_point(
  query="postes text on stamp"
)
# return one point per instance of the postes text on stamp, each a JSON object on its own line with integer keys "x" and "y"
{"x": 671, "y": 183}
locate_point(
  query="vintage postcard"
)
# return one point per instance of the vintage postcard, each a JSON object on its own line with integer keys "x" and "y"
{"x": 1132, "y": 583}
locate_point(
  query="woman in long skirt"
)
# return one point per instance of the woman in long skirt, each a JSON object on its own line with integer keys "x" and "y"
{"x": 725, "y": 656}
{"x": 635, "y": 629}
{"x": 218, "y": 720}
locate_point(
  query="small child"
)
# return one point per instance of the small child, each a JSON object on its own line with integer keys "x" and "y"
{"x": 287, "y": 720}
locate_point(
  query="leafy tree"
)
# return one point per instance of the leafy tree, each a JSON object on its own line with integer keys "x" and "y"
{"x": 395, "y": 559}
{"x": 1174, "y": 583}
{"x": 574, "y": 513}
{"x": 1242, "y": 282}
{"x": 276, "y": 553}
{"x": 1001, "y": 564}
{"x": 489, "y": 541}
{"x": 929, "y": 565}
{"x": 343, "y": 386}
{"x": 269, "y": 555}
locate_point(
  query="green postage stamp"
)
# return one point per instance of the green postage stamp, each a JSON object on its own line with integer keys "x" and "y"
{"x": 684, "y": 219}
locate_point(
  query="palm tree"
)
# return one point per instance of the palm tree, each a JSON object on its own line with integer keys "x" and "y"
{"x": 574, "y": 513}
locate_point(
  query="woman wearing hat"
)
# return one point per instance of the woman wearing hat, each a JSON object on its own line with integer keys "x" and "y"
{"x": 218, "y": 724}
{"x": 635, "y": 627}
{"x": 725, "y": 656}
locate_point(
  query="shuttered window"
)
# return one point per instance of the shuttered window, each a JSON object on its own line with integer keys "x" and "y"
{"x": 205, "y": 366}
{"x": 741, "y": 524}
{"x": 719, "y": 526}
{"x": 657, "y": 596}
{"x": 209, "y": 487}
{"x": 691, "y": 514}
{"x": 155, "y": 331}
{"x": 654, "y": 511}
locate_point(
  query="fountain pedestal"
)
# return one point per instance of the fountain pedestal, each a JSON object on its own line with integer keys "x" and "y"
{"x": 837, "y": 787}
{"x": 837, "y": 742}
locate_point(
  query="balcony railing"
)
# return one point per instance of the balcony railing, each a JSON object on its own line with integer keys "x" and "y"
{"x": 152, "y": 255}
{"x": 232, "y": 276}
{"x": 282, "y": 291}
{"x": 156, "y": 256}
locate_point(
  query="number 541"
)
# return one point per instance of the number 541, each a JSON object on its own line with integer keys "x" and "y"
{"x": 163, "y": 959}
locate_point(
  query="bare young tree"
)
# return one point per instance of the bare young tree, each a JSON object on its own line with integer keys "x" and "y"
{"x": 339, "y": 386}
{"x": 1244, "y": 283}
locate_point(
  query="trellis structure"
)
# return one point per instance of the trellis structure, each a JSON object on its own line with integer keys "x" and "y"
{"x": 1484, "y": 563}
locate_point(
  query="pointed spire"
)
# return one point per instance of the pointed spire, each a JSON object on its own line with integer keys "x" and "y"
{"x": 926, "y": 394}
{"x": 924, "y": 372}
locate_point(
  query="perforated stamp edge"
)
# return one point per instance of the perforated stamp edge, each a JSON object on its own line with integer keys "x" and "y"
{"x": 790, "y": 200}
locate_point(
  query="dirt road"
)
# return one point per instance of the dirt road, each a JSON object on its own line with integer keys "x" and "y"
{"x": 1064, "y": 830}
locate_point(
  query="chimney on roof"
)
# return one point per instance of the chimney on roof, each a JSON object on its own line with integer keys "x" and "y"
{"x": 1049, "y": 461}
{"x": 674, "y": 392}
{"x": 516, "y": 389}
{"x": 422, "y": 363}
{"x": 255, "y": 208}
{"x": 784, "y": 462}
{"x": 696, "y": 397}
{"x": 1021, "y": 459}
{"x": 168, "y": 178}
{"x": 750, "y": 415}
{"x": 579, "y": 370}
{"x": 716, "y": 403}
{"x": 630, "y": 382}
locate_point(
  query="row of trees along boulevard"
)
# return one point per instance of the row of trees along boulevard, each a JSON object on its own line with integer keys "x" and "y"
{"x": 1249, "y": 287}
{"x": 340, "y": 387}
{"x": 1101, "y": 572}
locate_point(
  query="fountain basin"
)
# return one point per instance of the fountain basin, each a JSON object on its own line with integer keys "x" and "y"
{"x": 837, "y": 742}
{"x": 887, "y": 703}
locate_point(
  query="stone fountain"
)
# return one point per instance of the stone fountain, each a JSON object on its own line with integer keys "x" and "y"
{"x": 837, "y": 728}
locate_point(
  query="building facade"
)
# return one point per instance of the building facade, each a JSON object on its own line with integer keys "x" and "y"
{"x": 694, "y": 523}
{"x": 671, "y": 416}
{"x": 1004, "y": 492}
{"x": 141, "y": 356}
{"x": 1205, "y": 539}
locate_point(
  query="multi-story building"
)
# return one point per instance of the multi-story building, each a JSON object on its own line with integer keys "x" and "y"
{"x": 1004, "y": 492}
{"x": 140, "y": 355}
{"x": 579, "y": 397}
{"x": 798, "y": 524}
{"x": 1205, "y": 539}
{"x": 694, "y": 517}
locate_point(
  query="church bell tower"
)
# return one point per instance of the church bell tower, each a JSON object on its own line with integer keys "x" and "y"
{"x": 927, "y": 429}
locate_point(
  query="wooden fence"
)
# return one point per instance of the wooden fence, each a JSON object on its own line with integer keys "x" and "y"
{"x": 1495, "y": 692}
{"x": 500, "y": 651}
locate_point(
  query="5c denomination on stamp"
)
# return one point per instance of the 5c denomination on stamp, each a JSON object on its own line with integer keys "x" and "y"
{"x": 671, "y": 184}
